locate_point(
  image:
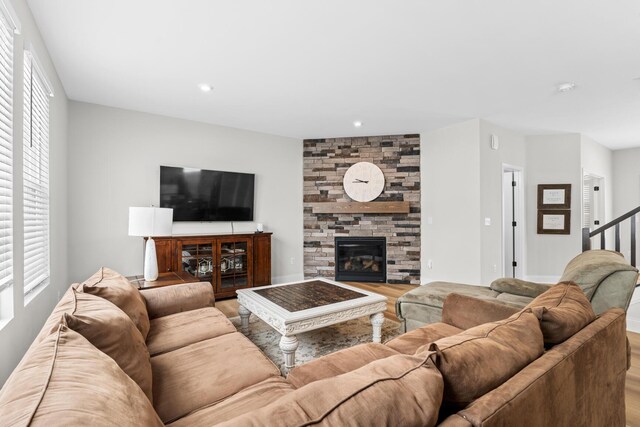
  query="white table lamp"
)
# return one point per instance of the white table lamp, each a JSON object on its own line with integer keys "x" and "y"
{"x": 149, "y": 222}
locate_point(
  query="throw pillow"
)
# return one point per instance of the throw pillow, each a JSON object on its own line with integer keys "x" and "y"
{"x": 114, "y": 287}
{"x": 400, "y": 390}
{"x": 563, "y": 310}
{"x": 111, "y": 331}
{"x": 67, "y": 381}
{"x": 479, "y": 359}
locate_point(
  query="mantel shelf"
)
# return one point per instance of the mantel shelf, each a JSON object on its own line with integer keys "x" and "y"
{"x": 360, "y": 207}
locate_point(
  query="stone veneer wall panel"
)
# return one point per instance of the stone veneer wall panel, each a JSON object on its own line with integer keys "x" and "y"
{"x": 325, "y": 162}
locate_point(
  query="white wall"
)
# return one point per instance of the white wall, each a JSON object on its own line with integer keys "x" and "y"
{"x": 626, "y": 193}
{"x": 552, "y": 159}
{"x": 626, "y": 180}
{"x": 511, "y": 151}
{"x": 450, "y": 171}
{"x": 114, "y": 161}
{"x": 626, "y": 196}
{"x": 598, "y": 160}
{"x": 19, "y": 332}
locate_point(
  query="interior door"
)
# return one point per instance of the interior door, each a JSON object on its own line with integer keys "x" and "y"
{"x": 512, "y": 223}
{"x": 592, "y": 201}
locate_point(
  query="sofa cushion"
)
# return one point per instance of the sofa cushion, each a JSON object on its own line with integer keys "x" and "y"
{"x": 247, "y": 400}
{"x": 114, "y": 287}
{"x": 563, "y": 310}
{"x": 67, "y": 381}
{"x": 514, "y": 300}
{"x": 337, "y": 363}
{"x": 434, "y": 293}
{"x": 400, "y": 390}
{"x": 65, "y": 305}
{"x": 479, "y": 359}
{"x": 178, "y": 330}
{"x": 111, "y": 331}
{"x": 203, "y": 373}
{"x": 511, "y": 285}
{"x": 590, "y": 268}
{"x": 409, "y": 342}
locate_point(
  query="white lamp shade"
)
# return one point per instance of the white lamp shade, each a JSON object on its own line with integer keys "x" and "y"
{"x": 148, "y": 222}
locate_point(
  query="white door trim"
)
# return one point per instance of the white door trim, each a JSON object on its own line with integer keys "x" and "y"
{"x": 521, "y": 246}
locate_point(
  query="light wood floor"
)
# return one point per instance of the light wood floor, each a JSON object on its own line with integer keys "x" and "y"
{"x": 632, "y": 395}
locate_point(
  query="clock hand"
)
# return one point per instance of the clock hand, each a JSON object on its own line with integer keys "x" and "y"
{"x": 359, "y": 180}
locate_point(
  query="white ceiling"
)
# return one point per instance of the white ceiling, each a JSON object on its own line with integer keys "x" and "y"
{"x": 308, "y": 69}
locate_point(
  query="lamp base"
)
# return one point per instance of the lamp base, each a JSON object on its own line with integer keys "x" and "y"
{"x": 150, "y": 261}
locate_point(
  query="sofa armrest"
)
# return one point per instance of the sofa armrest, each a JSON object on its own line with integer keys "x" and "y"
{"x": 177, "y": 298}
{"x": 519, "y": 287}
{"x": 465, "y": 312}
{"x": 455, "y": 420}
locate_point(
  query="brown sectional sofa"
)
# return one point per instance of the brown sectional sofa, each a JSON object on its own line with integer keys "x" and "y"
{"x": 483, "y": 365}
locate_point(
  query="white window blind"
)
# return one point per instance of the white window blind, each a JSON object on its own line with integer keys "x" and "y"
{"x": 6, "y": 152}
{"x": 35, "y": 176}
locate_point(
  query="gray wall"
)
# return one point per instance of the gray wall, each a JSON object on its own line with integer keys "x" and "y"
{"x": 21, "y": 329}
{"x": 114, "y": 162}
{"x": 552, "y": 159}
{"x": 511, "y": 152}
{"x": 626, "y": 196}
{"x": 451, "y": 235}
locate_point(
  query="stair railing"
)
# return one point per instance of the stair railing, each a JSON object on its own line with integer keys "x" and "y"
{"x": 587, "y": 235}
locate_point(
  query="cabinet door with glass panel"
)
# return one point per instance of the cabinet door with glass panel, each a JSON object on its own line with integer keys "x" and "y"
{"x": 234, "y": 269}
{"x": 197, "y": 257}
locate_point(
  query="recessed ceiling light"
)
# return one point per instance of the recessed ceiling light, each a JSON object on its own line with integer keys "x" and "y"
{"x": 205, "y": 87}
{"x": 566, "y": 87}
{"x": 357, "y": 123}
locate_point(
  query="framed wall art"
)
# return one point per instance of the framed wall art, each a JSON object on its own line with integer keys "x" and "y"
{"x": 554, "y": 196}
{"x": 554, "y": 221}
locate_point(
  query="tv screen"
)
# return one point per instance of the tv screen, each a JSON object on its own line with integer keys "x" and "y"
{"x": 205, "y": 195}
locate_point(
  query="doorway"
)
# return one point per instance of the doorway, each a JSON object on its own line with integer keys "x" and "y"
{"x": 513, "y": 226}
{"x": 592, "y": 201}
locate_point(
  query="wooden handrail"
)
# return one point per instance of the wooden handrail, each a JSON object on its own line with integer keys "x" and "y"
{"x": 614, "y": 222}
{"x": 587, "y": 235}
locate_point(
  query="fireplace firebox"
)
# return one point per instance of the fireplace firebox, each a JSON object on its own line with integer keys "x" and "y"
{"x": 361, "y": 259}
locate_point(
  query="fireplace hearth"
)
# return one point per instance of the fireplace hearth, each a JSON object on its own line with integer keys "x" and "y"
{"x": 361, "y": 259}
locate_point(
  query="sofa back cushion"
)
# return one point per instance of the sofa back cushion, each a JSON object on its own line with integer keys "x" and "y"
{"x": 479, "y": 359}
{"x": 590, "y": 268}
{"x": 400, "y": 390}
{"x": 65, "y": 305}
{"x": 563, "y": 310}
{"x": 114, "y": 287}
{"x": 67, "y": 381}
{"x": 111, "y": 331}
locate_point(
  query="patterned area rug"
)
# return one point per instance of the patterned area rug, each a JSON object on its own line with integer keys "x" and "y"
{"x": 314, "y": 344}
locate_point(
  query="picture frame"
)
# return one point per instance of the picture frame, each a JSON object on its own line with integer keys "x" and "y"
{"x": 554, "y": 221}
{"x": 554, "y": 196}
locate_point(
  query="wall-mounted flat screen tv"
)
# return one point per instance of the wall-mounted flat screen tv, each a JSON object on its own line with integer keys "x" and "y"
{"x": 206, "y": 195}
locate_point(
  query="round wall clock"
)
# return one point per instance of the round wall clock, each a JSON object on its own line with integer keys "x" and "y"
{"x": 363, "y": 182}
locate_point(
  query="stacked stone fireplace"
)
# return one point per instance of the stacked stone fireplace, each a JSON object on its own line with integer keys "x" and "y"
{"x": 325, "y": 162}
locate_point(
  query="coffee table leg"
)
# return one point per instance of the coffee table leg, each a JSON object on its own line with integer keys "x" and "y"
{"x": 244, "y": 318}
{"x": 289, "y": 345}
{"x": 377, "y": 320}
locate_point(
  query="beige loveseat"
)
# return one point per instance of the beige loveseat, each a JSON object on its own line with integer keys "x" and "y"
{"x": 485, "y": 364}
{"x": 606, "y": 278}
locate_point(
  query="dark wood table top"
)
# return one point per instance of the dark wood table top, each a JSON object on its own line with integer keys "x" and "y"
{"x": 305, "y": 295}
{"x": 164, "y": 279}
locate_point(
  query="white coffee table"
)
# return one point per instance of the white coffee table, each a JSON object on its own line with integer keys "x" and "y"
{"x": 292, "y": 308}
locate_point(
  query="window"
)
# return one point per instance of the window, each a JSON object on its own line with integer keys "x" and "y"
{"x": 35, "y": 176}
{"x": 7, "y": 29}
